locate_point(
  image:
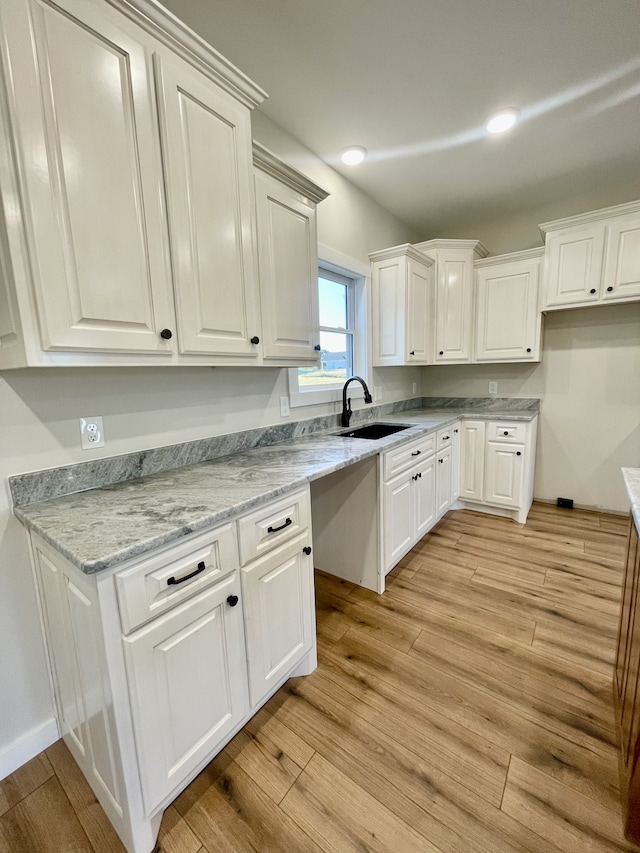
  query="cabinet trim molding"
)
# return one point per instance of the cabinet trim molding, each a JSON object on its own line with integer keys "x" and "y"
{"x": 590, "y": 216}
{"x": 268, "y": 162}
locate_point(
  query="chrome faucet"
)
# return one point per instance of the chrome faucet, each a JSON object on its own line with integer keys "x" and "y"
{"x": 346, "y": 404}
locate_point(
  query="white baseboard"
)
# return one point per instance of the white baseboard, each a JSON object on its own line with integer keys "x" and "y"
{"x": 27, "y": 747}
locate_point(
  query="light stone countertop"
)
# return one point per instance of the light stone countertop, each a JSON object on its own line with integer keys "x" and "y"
{"x": 100, "y": 528}
{"x": 632, "y": 482}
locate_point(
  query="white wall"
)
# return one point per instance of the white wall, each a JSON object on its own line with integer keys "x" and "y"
{"x": 589, "y": 384}
{"x": 146, "y": 407}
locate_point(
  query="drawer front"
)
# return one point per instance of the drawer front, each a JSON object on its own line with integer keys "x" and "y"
{"x": 444, "y": 436}
{"x": 164, "y": 580}
{"x": 403, "y": 457}
{"x": 507, "y": 432}
{"x": 273, "y": 524}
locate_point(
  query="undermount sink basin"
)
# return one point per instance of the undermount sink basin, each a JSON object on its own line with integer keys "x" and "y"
{"x": 374, "y": 431}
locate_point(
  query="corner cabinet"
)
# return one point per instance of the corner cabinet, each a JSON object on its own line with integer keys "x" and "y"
{"x": 287, "y": 260}
{"x": 402, "y": 307}
{"x": 507, "y": 318}
{"x": 454, "y": 260}
{"x": 141, "y": 706}
{"x": 593, "y": 259}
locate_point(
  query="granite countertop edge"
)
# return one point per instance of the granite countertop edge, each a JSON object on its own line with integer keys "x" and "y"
{"x": 631, "y": 478}
{"x": 98, "y": 529}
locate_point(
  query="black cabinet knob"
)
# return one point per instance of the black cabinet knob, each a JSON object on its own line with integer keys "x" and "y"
{"x": 306, "y": 550}
{"x": 317, "y": 347}
{"x": 593, "y": 290}
{"x": 255, "y": 339}
{"x": 441, "y": 352}
{"x": 413, "y": 352}
{"x": 441, "y": 461}
{"x": 232, "y": 600}
{"x": 455, "y": 430}
{"x": 528, "y": 349}
{"x": 166, "y": 334}
{"x": 518, "y": 453}
{"x": 609, "y": 289}
{"x": 506, "y": 432}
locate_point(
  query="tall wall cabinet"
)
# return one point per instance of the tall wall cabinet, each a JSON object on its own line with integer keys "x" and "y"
{"x": 127, "y": 224}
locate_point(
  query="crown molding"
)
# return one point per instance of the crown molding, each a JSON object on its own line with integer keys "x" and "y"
{"x": 512, "y": 257}
{"x": 171, "y": 31}
{"x": 477, "y": 246}
{"x": 268, "y": 162}
{"x": 590, "y": 216}
{"x": 404, "y": 250}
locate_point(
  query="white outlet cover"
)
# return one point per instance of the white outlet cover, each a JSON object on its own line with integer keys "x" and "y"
{"x": 91, "y": 432}
{"x": 493, "y": 387}
{"x": 285, "y": 411}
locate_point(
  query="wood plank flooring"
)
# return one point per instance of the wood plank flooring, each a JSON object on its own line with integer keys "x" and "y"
{"x": 468, "y": 710}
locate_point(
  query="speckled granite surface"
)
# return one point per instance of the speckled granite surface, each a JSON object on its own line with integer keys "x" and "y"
{"x": 632, "y": 482}
{"x": 103, "y": 527}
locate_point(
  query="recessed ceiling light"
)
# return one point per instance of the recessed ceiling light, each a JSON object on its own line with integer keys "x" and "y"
{"x": 353, "y": 155}
{"x": 505, "y": 119}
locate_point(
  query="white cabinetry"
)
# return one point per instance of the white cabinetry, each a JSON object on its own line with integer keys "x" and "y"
{"x": 288, "y": 260}
{"x": 155, "y": 663}
{"x": 507, "y": 319}
{"x": 403, "y": 307}
{"x": 444, "y": 470}
{"x": 454, "y": 261}
{"x": 497, "y": 465}
{"x": 593, "y": 258}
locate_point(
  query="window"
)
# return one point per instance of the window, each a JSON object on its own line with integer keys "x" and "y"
{"x": 335, "y": 295}
{"x": 342, "y": 323}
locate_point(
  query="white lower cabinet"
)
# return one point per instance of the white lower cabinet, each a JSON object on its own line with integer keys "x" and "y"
{"x": 158, "y": 663}
{"x": 277, "y": 591}
{"x": 187, "y": 680}
{"x": 443, "y": 481}
{"x": 497, "y": 463}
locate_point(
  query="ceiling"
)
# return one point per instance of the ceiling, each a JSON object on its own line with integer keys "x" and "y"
{"x": 413, "y": 81}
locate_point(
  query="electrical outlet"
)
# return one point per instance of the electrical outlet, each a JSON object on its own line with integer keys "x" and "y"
{"x": 91, "y": 433}
{"x": 285, "y": 411}
{"x": 493, "y": 387}
{"x": 414, "y": 387}
{"x": 377, "y": 393}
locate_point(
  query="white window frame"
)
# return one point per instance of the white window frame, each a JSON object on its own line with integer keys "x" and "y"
{"x": 338, "y": 262}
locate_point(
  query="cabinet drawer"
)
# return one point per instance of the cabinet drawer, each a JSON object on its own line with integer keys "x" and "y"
{"x": 273, "y": 524}
{"x": 444, "y": 436}
{"x": 164, "y": 580}
{"x": 506, "y": 432}
{"x": 403, "y": 457}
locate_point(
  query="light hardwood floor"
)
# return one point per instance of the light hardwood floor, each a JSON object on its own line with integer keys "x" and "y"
{"x": 468, "y": 710}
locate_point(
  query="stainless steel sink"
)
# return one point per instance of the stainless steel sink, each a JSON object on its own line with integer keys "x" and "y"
{"x": 373, "y": 431}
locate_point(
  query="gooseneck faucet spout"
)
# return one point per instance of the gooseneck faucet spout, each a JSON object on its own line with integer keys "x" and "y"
{"x": 346, "y": 403}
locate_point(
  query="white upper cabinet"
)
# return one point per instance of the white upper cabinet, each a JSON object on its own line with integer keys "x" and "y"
{"x": 508, "y": 321}
{"x": 403, "y": 306}
{"x": 593, "y": 258}
{"x": 206, "y": 141}
{"x": 288, "y": 260}
{"x": 83, "y": 116}
{"x": 454, "y": 261}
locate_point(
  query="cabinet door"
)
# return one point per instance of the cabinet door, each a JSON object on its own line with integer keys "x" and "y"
{"x": 83, "y": 115}
{"x": 278, "y": 612}
{"x": 187, "y": 682}
{"x": 472, "y": 441}
{"x": 424, "y": 490}
{"x": 288, "y": 264}
{"x": 388, "y": 311}
{"x": 443, "y": 481}
{"x": 573, "y": 266}
{"x": 503, "y": 475}
{"x": 398, "y": 518}
{"x": 419, "y": 311}
{"x": 455, "y": 462}
{"x": 206, "y": 144}
{"x": 453, "y": 306}
{"x": 622, "y": 269}
{"x": 507, "y": 316}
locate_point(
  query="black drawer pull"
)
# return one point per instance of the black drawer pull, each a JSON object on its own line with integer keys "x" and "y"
{"x": 446, "y": 437}
{"x": 416, "y": 453}
{"x": 306, "y": 550}
{"x": 593, "y": 290}
{"x": 506, "y": 432}
{"x": 518, "y": 453}
{"x": 609, "y": 290}
{"x": 172, "y": 581}
{"x": 255, "y": 339}
{"x": 282, "y": 526}
{"x": 232, "y": 600}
